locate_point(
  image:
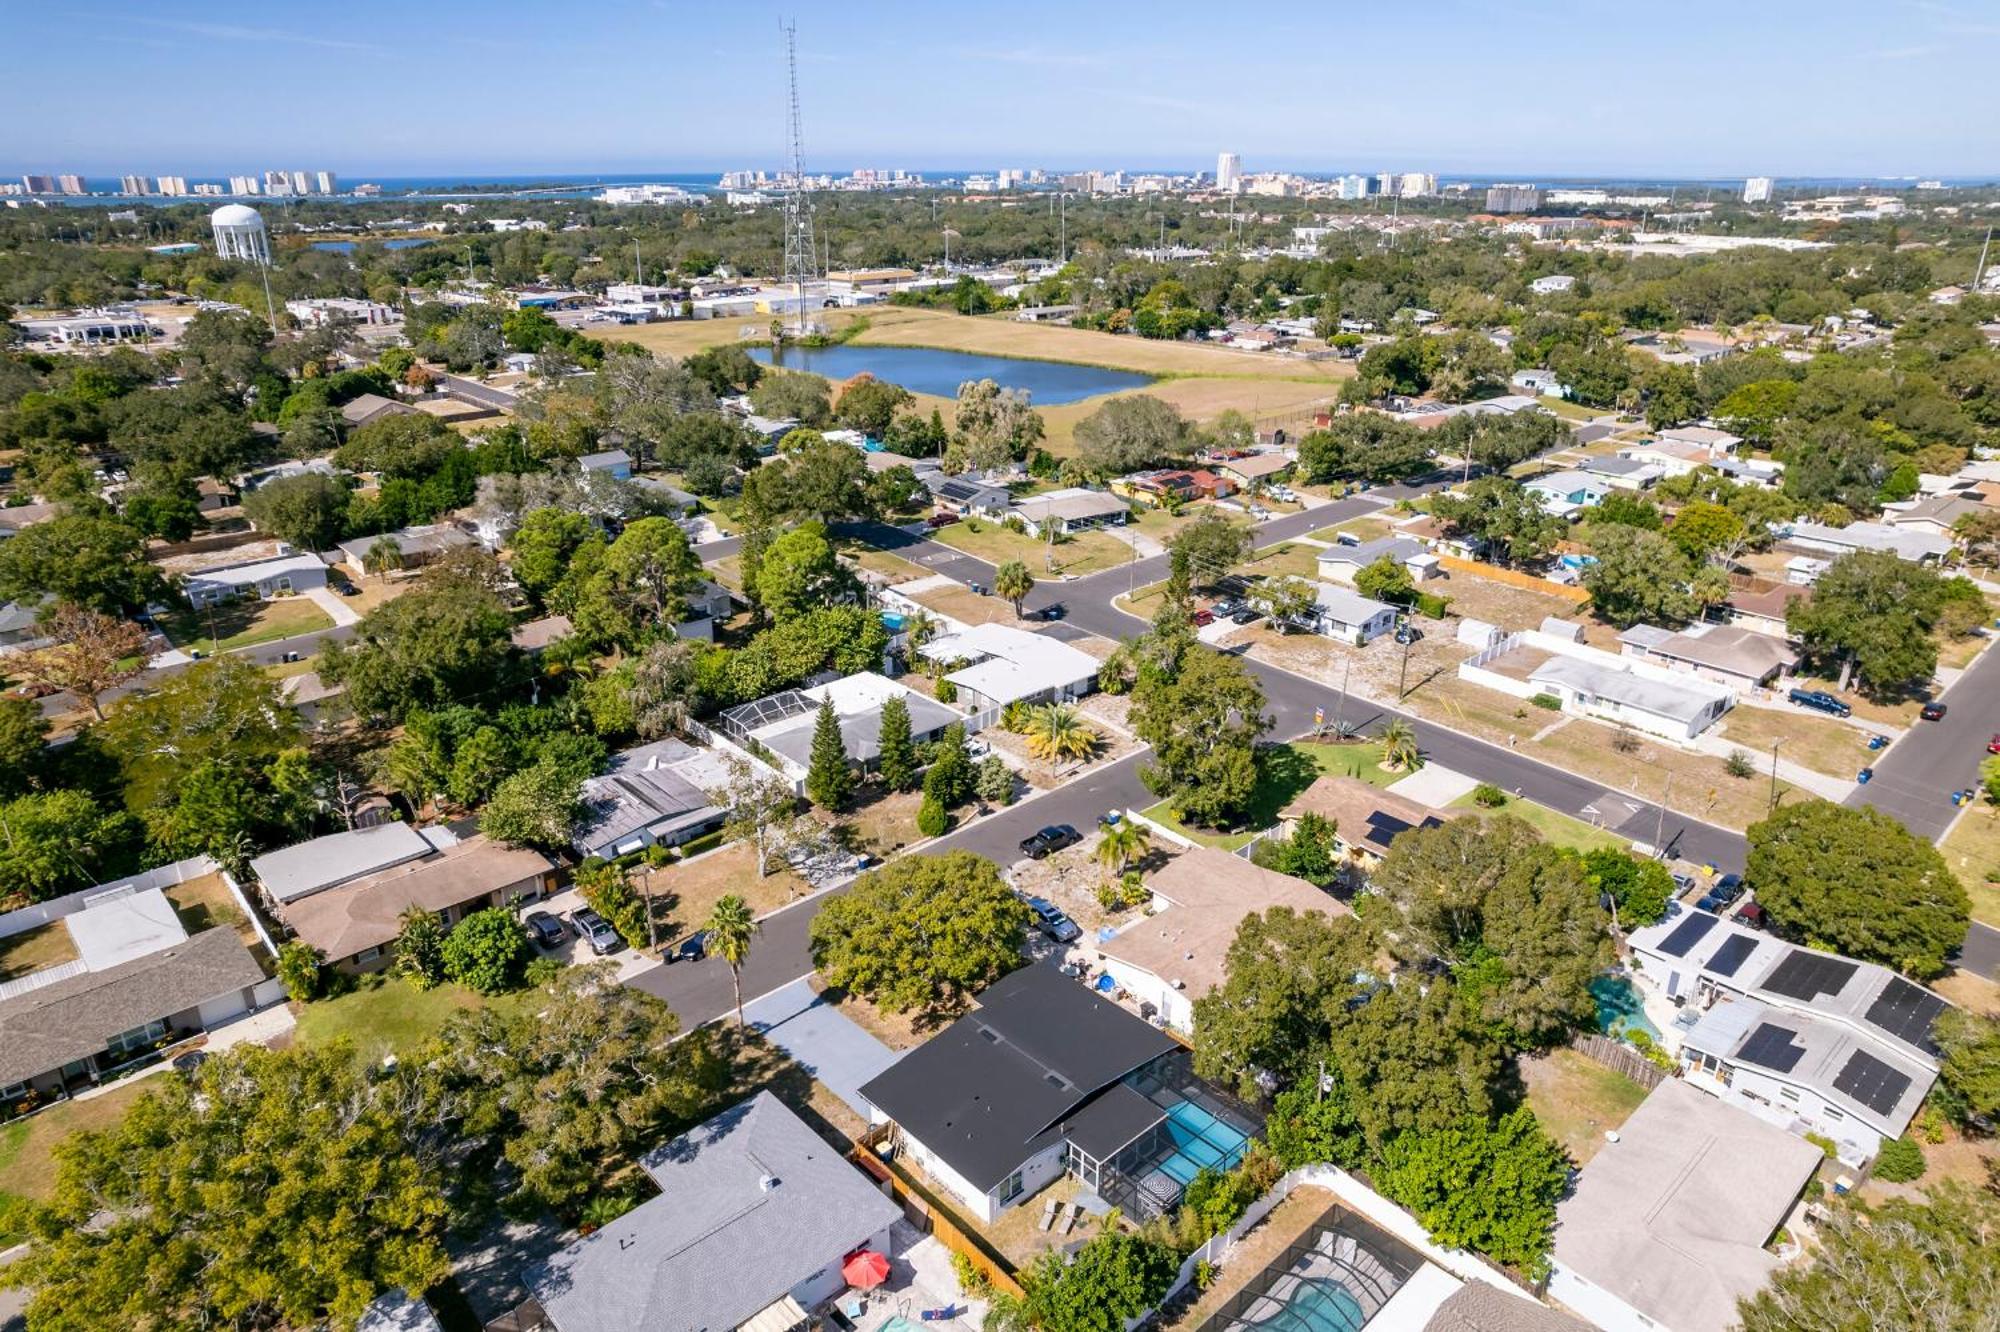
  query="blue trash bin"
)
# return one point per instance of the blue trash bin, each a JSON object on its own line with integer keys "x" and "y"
{"x": 1864, "y": 775}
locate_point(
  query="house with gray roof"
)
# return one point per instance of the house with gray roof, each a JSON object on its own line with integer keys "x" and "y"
{"x": 415, "y": 546}
{"x": 1339, "y": 563}
{"x": 612, "y": 462}
{"x": 756, "y": 1215}
{"x": 779, "y": 728}
{"x": 1672, "y": 709}
{"x": 1345, "y": 614}
{"x": 319, "y": 863}
{"x": 1726, "y": 653}
{"x": 660, "y": 794}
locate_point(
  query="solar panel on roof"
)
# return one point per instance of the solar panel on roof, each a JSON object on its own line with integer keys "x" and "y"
{"x": 1807, "y": 976}
{"x": 1771, "y": 1047}
{"x": 1906, "y": 1012}
{"x": 1872, "y": 1082}
{"x": 1687, "y": 934}
{"x": 1730, "y": 956}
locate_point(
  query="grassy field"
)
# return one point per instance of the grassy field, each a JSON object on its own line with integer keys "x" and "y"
{"x": 1283, "y": 773}
{"x": 1555, "y": 827}
{"x": 1820, "y": 743}
{"x": 1972, "y": 849}
{"x": 1577, "y": 1100}
{"x": 1085, "y": 553}
{"x": 384, "y": 1015}
{"x": 27, "y": 1161}
{"x": 245, "y": 623}
{"x": 1361, "y": 529}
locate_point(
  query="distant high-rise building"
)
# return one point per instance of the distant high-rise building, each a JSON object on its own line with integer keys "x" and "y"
{"x": 1758, "y": 190}
{"x": 240, "y": 234}
{"x": 244, "y": 185}
{"x": 174, "y": 186}
{"x": 1417, "y": 185}
{"x": 1513, "y": 198}
{"x": 134, "y": 185}
{"x": 1075, "y": 180}
{"x": 277, "y": 182}
{"x": 1351, "y": 187}
{"x": 1228, "y": 172}
{"x": 39, "y": 184}
{"x": 324, "y": 182}
{"x": 71, "y": 184}
{"x": 207, "y": 188}
{"x": 1387, "y": 182}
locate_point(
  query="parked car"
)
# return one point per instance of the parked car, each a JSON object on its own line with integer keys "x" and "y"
{"x": 941, "y": 519}
{"x": 1932, "y": 712}
{"x": 1053, "y": 611}
{"x": 691, "y": 949}
{"x": 544, "y": 929}
{"x": 1228, "y": 606}
{"x": 1993, "y": 745}
{"x": 1202, "y": 617}
{"x": 1819, "y": 701}
{"x": 594, "y": 930}
{"x": 1049, "y": 840}
{"x": 1408, "y": 633}
{"x": 1726, "y": 890}
{"x": 1248, "y": 615}
{"x": 1050, "y": 920}
{"x": 1752, "y": 915}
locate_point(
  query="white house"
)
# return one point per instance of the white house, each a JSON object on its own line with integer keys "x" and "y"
{"x": 1345, "y": 614}
{"x": 1554, "y": 282}
{"x": 1567, "y": 494}
{"x": 1340, "y": 563}
{"x": 1072, "y": 509}
{"x": 1545, "y": 383}
{"x": 261, "y": 580}
{"x": 999, "y": 664}
{"x": 1674, "y": 709}
{"x": 1912, "y": 544}
{"x": 779, "y": 728}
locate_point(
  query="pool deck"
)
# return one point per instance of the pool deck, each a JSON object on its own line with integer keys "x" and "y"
{"x": 920, "y": 1278}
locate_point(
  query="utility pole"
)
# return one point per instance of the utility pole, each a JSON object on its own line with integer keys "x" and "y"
{"x": 1774, "y": 773}
{"x": 1403, "y": 680}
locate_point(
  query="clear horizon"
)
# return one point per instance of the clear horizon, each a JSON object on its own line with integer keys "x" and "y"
{"x": 1786, "y": 89}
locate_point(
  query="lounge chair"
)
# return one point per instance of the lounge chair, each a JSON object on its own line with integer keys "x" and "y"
{"x": 1074, "y": 1215}
{"x": 1049, "y": 1213}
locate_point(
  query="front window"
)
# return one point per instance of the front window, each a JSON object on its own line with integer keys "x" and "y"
{"x": 126, "y": 1042}
{"x": 1010, "y": 1187}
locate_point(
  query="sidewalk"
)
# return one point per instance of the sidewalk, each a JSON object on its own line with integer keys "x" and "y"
{"x": 1835, "y": 789}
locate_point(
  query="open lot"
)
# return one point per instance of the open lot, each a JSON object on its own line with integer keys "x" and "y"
{"x": 384, "y": 1015}
{"x": 1824, "y": 744}
{"x": 1578, "y": 1100}
{"x": 1556, "y": 828}
{"x": 964, "y": 605}
{"x": 687, "y": 892}
{"x": 1084, "y": 553}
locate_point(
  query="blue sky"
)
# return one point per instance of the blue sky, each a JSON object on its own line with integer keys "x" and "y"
{"x": 1536, "y": 87}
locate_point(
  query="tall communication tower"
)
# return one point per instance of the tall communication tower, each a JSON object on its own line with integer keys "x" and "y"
{"x": 801, "y": 255}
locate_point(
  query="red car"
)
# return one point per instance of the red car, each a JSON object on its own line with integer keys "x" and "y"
{"x": 941, "y": 519}
{"x": 1993, "y": 745}
{"x": 1202, "y": 617}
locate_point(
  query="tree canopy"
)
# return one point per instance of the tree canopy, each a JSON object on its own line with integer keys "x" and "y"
{"x": 923, "y": 932}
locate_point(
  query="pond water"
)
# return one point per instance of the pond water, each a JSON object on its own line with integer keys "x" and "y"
{"x": 930, "y": 370}
{"x": 399, "y": 243}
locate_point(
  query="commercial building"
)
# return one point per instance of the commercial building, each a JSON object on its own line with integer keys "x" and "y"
{"x": 319, "y": 311}
{"x": 1175, "y": 954}
{"x": 1513, "y": 198}
{"x": 1228, "y": 172}
{"x": 1758, "y": 189}
{"x": 1666, "y": 1226}
{"x": 131, "y": 979}
{"x": 755, "y": 1216}
{"x": 1809, "y": 1041}
{"x": 89, "y": 329}
{"x": 993, "y": 665}
{"x": 1044, "y": 1077}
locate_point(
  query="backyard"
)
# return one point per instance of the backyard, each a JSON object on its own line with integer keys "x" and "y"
{"x": 34, "y": 950}
{"x": 243, "y": 623}
{"x": 1577, "y": 1100}
{"x": 1249, "y": 1256}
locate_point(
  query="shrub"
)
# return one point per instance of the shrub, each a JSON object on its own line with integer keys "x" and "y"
{"x": 298, "y": 970}
{"x": 1825, "y": 1144}
{"x": 608, "y": 891}
{"x": 931, "y": 817}
{"x": 1014, "y": 717}
{"x": 543, "y": 971}
{"x": 1624, "y": 741}
{"x": 1488, "y": 796}
{"x": 420, "y": 948}
{"x": 947, "y": 692}
{"x": 1738, "y": 764}
{"x": 487, "y": 952}
{"x": 1549, "y": 701}
{"x": 971, "y": 1280}
{"x": 1900, "y": 1161}
{"x": 1431, "y": 605}
{"x": 994, "y": 781}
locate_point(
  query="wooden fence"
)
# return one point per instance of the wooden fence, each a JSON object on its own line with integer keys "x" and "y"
{"x": 1620, "y": 1058}
{"x": 1513, "y": 578}
{"x": 928, "y": 1212}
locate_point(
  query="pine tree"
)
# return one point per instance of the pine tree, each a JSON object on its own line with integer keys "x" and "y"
{"x": 830, "y": 778}
{"x": 899, "y": 760}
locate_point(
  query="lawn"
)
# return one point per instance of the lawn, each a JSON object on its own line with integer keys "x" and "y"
{"x": 27, "y": 1163}
{"x": 893, "y": 567}
{"x": 1282, "y": 773}
{"x": 1578, "y": 1100}
{"x": 33, "y": 950}
{"x": 238, "y": 624}
{"x": 1361, "y": 529}
{"x": 1972, "y": 849}
{"x": 1823, "y": 744}
{"x": 1556, "y": 828}
{"x": 691, "y": 889}
{"x": 1085, "y": 553}
{"x": 884, "y": 822}
{"x": 1285, "y": 559}
{"x": 384, "y": 1014}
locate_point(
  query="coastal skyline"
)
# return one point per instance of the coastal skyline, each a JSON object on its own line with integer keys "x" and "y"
{"x": 1834, "y": 90}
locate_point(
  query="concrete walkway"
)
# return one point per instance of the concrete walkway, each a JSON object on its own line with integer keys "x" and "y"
{"x": 1835, "y": 789}
{"x": 329, "y": 601}
{"x": 826, "y": 1042}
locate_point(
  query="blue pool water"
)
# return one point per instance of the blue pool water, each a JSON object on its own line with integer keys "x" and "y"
{"x": 894, "y": 619}
{"x": 1619, "y": 1008}
{"x": 930, "y": 370}
{"x": 1317, "y": 1304}
{"x": 1200, "y": 1139}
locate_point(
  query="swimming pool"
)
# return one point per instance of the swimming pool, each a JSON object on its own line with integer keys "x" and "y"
{"x": 895, "y": 621}
{"x": 1619, "y": 1008}
{"x": 1200, "y": 1139}
{"x": 1313, "y": 1304}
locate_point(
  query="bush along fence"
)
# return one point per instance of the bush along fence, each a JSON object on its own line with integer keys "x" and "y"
{"x": 1620, "y": 1058}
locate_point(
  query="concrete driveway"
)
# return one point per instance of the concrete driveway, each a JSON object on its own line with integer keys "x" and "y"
{"x": 825, "y": 1042}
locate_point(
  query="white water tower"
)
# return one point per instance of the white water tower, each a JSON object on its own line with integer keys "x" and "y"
{"x": 240, "y": 234}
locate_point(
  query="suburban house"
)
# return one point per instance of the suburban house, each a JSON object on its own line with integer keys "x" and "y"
{"x": 1673, "y": 710}
{"x": 755, "y": 1217}
{"x": 1173, "y": 484}
{"x": 997, "y": 664}
{"x": 1544, "y": 383}
{"x": 705, "y": 606}
{"x": 1810, "y": 1041}
{"x": 1071, "y": 509}
{"x": 654, "y": 795}
{"x": 327, "y": 862}
{"x": 1440, "y": 538}
{"x": 1345, "y": 614}
{"x": 1174, "y": 955}
{"x": 1567, "y": 494}
{"x": 1760, "y": 604}
{"x": 779, "y": 728}
{"x": 372, "y": 407}
{"x": 1633, "y": 474}
{"x": 123, "y": 977}
{"x": 354, "y": 922}
{"x": 1553, "y": 283}
{"x": 415, "y": 547}
{"x": 318, "y": 703}
{"x": 1253, "y": 468}
{"x": 1366, "y": 818}
{"x": 1938, "y": 515}
{"x": 1905, "y": 543}
{"x": 1044, "y": 1077}
{"x": 20, "y": 628}
{"x": 258, "y": 579}
{"x": 966, "y": 494}
{"x": 1666, "y": 1226}
{"x": 614, "y": 463}
{"x": 1716, "y": 443}
{"x": 1724, "y": 653}
{"x": 1339, "y": 563}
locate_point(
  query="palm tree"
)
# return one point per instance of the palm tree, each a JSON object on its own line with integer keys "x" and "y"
{"x": 1399, "y": 747}
{"x": 1056, "y": 732}
{"x": 729, "y": 927}
{"x": 383, "y": 556}
{"x": 1123, "y": 842}
{"x": 1013, "y": 581}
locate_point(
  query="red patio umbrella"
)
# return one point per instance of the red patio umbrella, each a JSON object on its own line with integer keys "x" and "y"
{"x": 865, "y": 1269}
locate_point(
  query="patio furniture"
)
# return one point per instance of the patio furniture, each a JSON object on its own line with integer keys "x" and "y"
{"x": 1070, "y": 1218}
{"x": 852, "y": 1307}
{"x": 939, "y": 1315}
{"x": 1049, "y": 1213}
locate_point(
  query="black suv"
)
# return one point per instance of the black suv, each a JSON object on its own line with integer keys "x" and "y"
{"x": 1049, "y": 840}
{"x": 1819, "y": 701}
{"x": 544, "y": 929}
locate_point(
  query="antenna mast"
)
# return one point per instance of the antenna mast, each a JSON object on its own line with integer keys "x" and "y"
{"x": 801, "y": 254}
